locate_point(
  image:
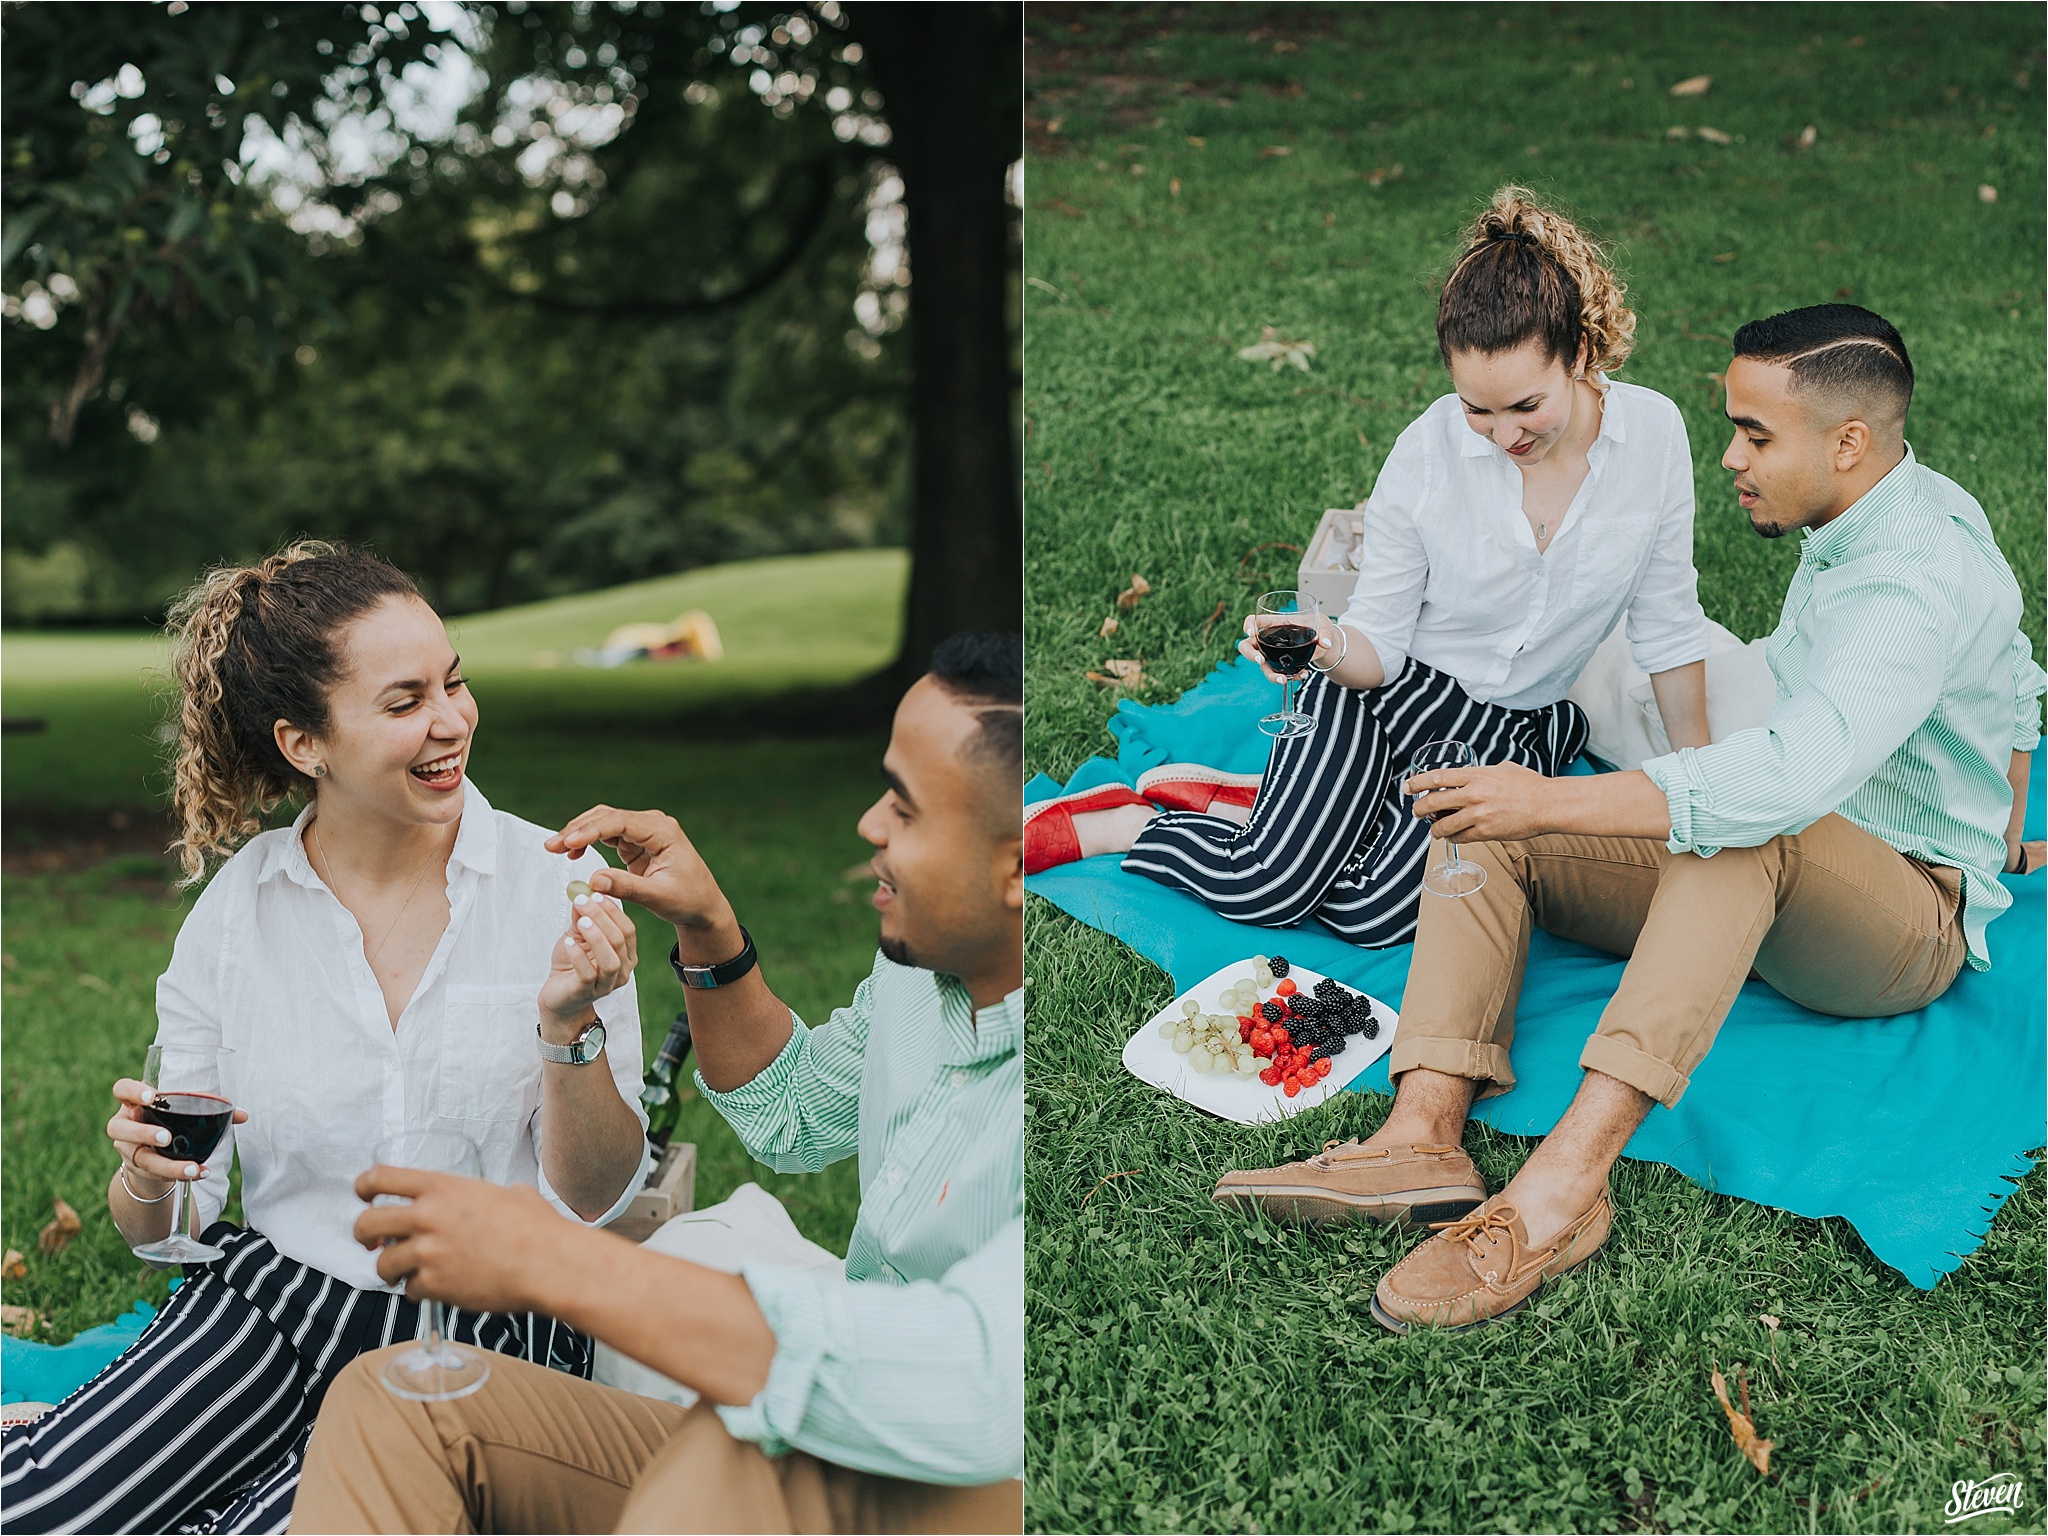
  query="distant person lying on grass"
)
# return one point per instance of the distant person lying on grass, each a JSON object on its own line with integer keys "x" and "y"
{"x": 1847, "y": 851}
{"x": 1515, "y": 523}
{"x": 882, "y": 1394}
{"x": 375, "y": 969}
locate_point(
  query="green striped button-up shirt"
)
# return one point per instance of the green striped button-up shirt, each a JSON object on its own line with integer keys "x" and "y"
{"x": 911, "y": 1364}
{"x": 1904, "y": 688}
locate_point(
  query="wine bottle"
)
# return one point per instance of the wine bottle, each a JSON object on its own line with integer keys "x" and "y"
{"x": 658, "y": 1093}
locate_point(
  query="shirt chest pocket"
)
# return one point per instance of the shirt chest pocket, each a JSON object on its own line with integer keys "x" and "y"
{"x": 488, "y": 1067}
{"x": 1612, "y": 554}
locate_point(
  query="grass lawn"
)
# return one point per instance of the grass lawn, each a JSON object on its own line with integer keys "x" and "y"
{"x": 87, "y": 930}
{"x": 1197, "y": 172}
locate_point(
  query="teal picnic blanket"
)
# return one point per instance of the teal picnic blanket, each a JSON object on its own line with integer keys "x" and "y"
{"x": 1911, "y": 1128}
{"x": 49, "y": 1373}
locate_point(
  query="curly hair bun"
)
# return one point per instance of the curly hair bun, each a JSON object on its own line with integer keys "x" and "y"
{"x": 1527, "y": 272}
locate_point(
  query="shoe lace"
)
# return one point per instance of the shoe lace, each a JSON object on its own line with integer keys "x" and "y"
{"x": 1484, "y": 1231}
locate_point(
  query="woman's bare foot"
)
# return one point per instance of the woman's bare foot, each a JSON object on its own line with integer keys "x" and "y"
{"x": 1113, "y": 830}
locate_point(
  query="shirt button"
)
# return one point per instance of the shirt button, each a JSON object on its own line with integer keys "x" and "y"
{"x": 895, "y": 1176}
{"x": 960, "y": 1077}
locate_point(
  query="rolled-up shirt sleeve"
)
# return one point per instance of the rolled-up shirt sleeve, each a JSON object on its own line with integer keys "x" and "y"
{"x": 188, "y": 1019}
{"x": 1873, "y": 677}
{"x": 1393, "y": 564}
{"x": 1667, "y": 627}
{"x": 922, "y": 1381}
{"x": 2028, "y": 682}
{"x": 801, "y": 1112}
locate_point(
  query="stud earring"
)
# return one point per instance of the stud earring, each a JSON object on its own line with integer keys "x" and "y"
{"x": 319, "y": 770}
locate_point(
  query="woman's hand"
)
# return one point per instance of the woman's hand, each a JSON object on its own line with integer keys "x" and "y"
{"x": 592, "y": 960}
{"x": 1326, "y": 652}
{"x": 150, "y": 1173}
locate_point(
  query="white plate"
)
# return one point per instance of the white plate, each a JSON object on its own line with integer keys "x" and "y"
{"x": 1149, "y": 1056}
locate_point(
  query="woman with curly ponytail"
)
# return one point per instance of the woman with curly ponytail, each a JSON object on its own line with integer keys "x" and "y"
{"x": 375, "y": 970}
{"x": 1515, "y": 523}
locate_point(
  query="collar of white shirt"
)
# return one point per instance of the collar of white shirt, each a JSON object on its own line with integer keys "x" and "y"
{"x": 476, "y": 844}
{"x": 1480, "y": 445}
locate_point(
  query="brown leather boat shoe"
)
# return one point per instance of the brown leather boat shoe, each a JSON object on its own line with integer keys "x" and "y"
{"x": 1481, "y": 1269}
{"x": 1410, "y": 1185}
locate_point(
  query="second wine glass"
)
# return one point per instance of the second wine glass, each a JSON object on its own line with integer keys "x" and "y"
{"x": 1285, "y": 627}
{"x": 438, "y": 1369}
{"x": 1456, "y": 875}
{"x": 185, "y": 1099}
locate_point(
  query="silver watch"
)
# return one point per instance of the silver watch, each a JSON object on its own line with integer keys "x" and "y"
{"x": 580, "y": 1052}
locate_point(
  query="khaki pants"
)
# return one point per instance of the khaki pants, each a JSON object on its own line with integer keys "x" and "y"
{"x": 536, "y": 1450}
{"x": 1834, "y": 918}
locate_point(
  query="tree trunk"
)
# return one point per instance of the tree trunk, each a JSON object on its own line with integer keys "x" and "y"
{"x": 951, "y": 81}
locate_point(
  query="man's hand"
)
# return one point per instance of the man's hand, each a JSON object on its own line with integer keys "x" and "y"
{"x": 1501, "y": 803}
{"x": 482, "y": 1246}
{"x": 663, "y": 872}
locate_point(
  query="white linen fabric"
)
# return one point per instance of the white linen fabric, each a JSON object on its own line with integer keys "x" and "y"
{"x": 1625, "y": 727}
{"x": 1449, "y": 572}
{"x": 270, "y": 965}
{"x": 750, "y": 1226}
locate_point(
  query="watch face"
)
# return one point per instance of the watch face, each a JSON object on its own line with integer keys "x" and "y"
{"x": 591, "y": 1043}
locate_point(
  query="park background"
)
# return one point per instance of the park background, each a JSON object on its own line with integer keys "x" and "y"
{"x": 1198, "y": 173}
{"x": 585, "y": 314}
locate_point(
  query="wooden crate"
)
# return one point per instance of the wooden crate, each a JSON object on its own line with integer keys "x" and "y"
{"x": 1322, "y": 572}
{"x": 671, "y": 1189}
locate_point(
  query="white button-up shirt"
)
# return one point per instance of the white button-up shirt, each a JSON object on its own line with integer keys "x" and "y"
{"x": 271, "y": 965}
{"x": 1449, "y": 572}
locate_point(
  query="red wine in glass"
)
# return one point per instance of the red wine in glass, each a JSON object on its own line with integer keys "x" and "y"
{"x": 1287, "y": 647}
{"x": 1285, "y": 626}
{"x": 196, "y": 1121}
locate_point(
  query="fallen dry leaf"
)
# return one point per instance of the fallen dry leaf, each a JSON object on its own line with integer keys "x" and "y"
{"x": 1678, "y": 131}
{"x": 1380, "y": 175}
{"x": 1282, "y": 351}
{"x": 95, "y": 984}
{"x": 1806, "y": 138}
{"x": 1697, "y": 85}
{"x": 1987, "y": 193}
{"x": 1283, "y": 46}
{"x": 14, "y": 1266}
{"x": 1274, "y": 151}
{"x": 1747, "y": 1440}
{"x": 60, "y": 1230}
{"x": 1128, "y": 598}
{"x": 1198, "y": 141}
{"x": 1121, "y": 674}
{"x": 1768, "y": 1321}
{"x": 1725, "y": 257}
{"x": 1060, "y": 205}
{"x": 19, "y": 1321}
{"x": 1108, "y": 627}
{"x": 1173, "y": 187}
{"x": 1715, "y": 136}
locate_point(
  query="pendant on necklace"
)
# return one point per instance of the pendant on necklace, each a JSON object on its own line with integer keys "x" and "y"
{"x": 1542, "y": 532}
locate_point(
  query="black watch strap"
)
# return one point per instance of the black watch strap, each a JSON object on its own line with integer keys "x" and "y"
{"x": 724, "y": 974}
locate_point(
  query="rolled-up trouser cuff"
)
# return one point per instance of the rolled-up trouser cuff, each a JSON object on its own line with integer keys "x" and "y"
{"x": 1485, "y": 1064}
{"x": 1623, "y": 1062}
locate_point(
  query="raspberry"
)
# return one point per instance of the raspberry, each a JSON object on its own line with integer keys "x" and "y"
{"x": 1270, "y": 1077}
{"x": 1244, "y": 1029}
{"x": 1292, "y": 1083}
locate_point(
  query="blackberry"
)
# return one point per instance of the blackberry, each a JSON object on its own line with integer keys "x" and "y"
{"x": 1273, "y": 1011}
{"x": 1331, "y": 991}
{"x": 1371, "y": 1030}
{"x": 1278, "y": 967}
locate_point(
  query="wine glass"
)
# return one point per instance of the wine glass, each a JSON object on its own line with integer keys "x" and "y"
{"x": 185, "y": 1099}
{"x": 1285, "y": 627}
{"x": 438, "y": 1369}
{"x": 1457, "y": 875}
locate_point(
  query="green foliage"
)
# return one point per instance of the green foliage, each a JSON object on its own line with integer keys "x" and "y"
{"x": 602, "y": 328}
{"x": 1192, "y": 1369}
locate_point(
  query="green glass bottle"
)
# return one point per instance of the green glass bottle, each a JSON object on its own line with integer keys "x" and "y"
{"x": 659, "y": 1095}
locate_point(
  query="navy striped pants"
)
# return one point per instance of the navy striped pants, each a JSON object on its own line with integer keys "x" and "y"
{"x": 1332, "y": 836}
{"x": 202, "y": 1423}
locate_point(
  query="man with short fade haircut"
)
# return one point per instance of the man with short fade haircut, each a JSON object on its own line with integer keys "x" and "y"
{"x": 773, "y": 1387}
{"x": 1847, "y": 851}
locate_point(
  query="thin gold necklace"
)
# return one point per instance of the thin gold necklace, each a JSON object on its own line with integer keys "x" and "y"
{"x": 314, "y": 828}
